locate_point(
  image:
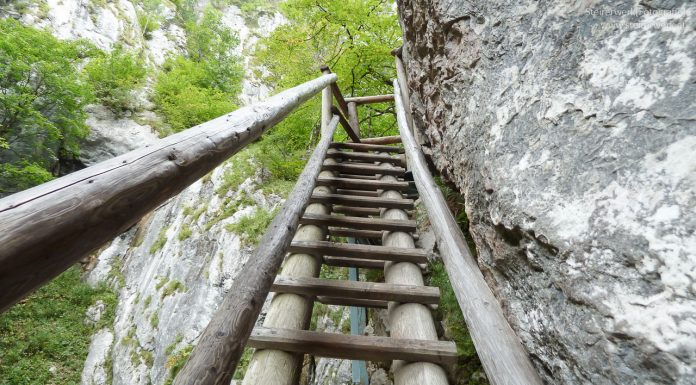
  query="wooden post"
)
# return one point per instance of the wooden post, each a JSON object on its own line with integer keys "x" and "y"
{"x": 502, "y": 355}
{"x": 326, "y": 102}
{"x": 353, "y": 117}
{"x": 353, "y": 131}
{"x": 406, "y": 99}
{"x": 408, "y": 320}
{"x": 48, "y": 228}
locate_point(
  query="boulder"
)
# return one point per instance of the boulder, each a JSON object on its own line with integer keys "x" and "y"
{"x": 570, "y": 129}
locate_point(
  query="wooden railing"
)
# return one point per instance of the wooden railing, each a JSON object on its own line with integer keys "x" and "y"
{"x": 46, "y": 229}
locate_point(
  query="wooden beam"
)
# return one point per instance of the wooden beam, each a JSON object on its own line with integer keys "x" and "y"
{"x": 355, "y": 233}
{"x": 359, "y": 223}
{"x": 502, "y": 355}
{"x": 364, "y": 169}
{"x": 353, "y": 118}
{"x": 360, "y": 100}
{"x": 367, "y": 147}
{"x": 48, "y": 228}
{"x": 362, "y": 201}
{"x": 356, "y": 211}
{"x": 362, "y": 193}
{"x": 354, "y": 262}
{"x": 335, "y": 249}
{"x": 361, "y": 184}
{"x": 352, "y": 134}
{"x": 365, "y": 157}
{"x": 357, "y": 289}
{"x": 382, "y": 140}
{"x": 369, "y": 303}
{"x": 369, "y": 348}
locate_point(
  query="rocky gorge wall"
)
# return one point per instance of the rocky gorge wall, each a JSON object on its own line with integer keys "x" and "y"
{"x": 570, "y": 129}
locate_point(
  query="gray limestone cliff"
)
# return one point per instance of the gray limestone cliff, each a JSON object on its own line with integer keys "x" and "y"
{"x": 570, "y": 129}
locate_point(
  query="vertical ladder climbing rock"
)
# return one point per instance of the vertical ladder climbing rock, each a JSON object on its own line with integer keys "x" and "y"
{"x": 359, "y": 194}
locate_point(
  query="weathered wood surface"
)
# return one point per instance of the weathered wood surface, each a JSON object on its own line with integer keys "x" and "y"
{"x": 502, "y": 355}
{"x": 362, "y": 193}
{"x": 354, "y": 262}
{"x": 352, "y": 133}
{"x": 370, "y": 303}
{"x": 364, "y": 169}
{"x": 357, "y": 289}
{"x": 355, "y": 233}
{"x": 359, "y": 223}
{"x": 359, "y": 100}
{"x": 217, "y": 353}
{"x": 48, "y": 228}
{"x": 362, "y": 201}
{"x": 356, "y": 211}
{"x": 365, "y": 156}
{"x": 369, "y": 348}
{"x": 358, "y": 184}
{"x": 382, "y": 140}
{"x": 366, "y": 147}
{"x": 334, "y": 249}
{"x": 353, "y": 118}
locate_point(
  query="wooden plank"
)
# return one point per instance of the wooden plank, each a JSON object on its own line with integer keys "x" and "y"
{"x": 366, "y": 147}
{"x": 502, "y": 355}
{"x": 356, "y": 211}
{"x": 357, "y": 184}
{"x": 359, "y": 223}
{"x": 48, "y": 228}
{"x": 382, "y": 140}
{"x": 354, "y": 262}
{"x": 365, "y": 156}
{"x": 364, "y": 169}
{"x": 335, "y": 249}
{"x": 362, "y": 201}
{"x": 363, "y": 177}
{"x": 362, "y": 193}
{"x": 215, "y": 357}
{"x": 369, "y": 303}
{"x": 357, "y": 289}
{"x": 360, "y": 100}
{"x": 369, "y": 348}
{"x": 355, "y": 233}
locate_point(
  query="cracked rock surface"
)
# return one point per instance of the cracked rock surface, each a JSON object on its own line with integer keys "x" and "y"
{"x": 570, "y": 128}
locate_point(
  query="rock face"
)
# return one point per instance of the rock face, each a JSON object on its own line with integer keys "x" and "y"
{"x": 570, "y": 128}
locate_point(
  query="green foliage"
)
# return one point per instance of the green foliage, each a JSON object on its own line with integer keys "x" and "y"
{"x": 242, "y": 166}
{"x": 150, "y": 17}
{"x": 154, "y": 320}
{"x": 448, "y": 312}
{"x": 47, "y": 329}
{"x": 192, "y": 90}
{"x": 251, "y": 227}
{"x": 160, "y": 241}
{"x": 114, "y": 76}
{"x": 172, "y": 287}
{"x": 176, "y": 361}
{"x": 243, "y": 364}
{"x": 185, "y": 232}
{"x": 41, "y": 106}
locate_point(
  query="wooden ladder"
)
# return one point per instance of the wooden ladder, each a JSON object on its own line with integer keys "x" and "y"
{"x": 363, "y": 190}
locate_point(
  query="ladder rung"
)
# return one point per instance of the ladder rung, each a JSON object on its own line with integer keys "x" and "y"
{"x": 353, "y": 302}
{"x": 354, "y": 262}
{"x": 355, "y": 233}
{"x": 364, "y": 169}
{"x": 357, "y": 289}
{"x": 359, "y": 223}
{"x": 359, "y": 201}
{"x": 367, "y": 147}
{"x": 368, "y": 348}
{"x": 361, "y": 193}
{"x": 356, "y": 211}
{"x": 365, "y": 156}
{"x": 359, "y": 177}
{"x": 358, "y": 184}
{"x": 335, "y": 249}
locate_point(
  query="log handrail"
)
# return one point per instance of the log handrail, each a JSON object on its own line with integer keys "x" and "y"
{"x": 499, "y": 349}
{"x": 46, "y": 229}
{"x": 215, "y": 357}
